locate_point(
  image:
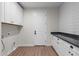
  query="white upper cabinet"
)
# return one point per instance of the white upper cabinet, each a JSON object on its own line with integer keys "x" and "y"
{"x": 9, "y": 12}
{"x": 13, "y": 13}
{"x": 18, "y": 13}
{"x": 1, "y": 11}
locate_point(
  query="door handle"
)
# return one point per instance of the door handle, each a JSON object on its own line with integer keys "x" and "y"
{"x": 35, "y": 32}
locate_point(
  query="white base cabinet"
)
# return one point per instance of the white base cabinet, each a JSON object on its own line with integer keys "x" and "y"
{"x": 55, "y": 45}
{"x": 64, "y": 48}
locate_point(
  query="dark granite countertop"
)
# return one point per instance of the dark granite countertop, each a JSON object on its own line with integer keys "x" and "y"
{"x": 70, "y": 38}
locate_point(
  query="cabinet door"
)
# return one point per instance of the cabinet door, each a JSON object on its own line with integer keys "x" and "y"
{"x": 18, "y": 13}
{"x": 64, "y": 50}
{"x": 68, "y": 49}
{"x": 9, "y": 12}
{"x": 2, "y": 11}
{"x": 60, "y": 47}
{"x": 55, "y": 44}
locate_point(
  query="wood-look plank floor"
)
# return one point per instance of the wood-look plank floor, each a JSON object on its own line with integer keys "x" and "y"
{"x": 34, "y": 51}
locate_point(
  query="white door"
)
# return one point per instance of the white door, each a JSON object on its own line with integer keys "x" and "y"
{"x": 40, "y": 28}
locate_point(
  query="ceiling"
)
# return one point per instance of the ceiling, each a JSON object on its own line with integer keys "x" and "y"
{"x": 40, "y": 4}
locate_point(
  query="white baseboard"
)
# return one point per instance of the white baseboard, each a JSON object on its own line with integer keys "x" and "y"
{"x": 24, "y": 45}
{"x": 11, "y": 51}
{"x": 31, "y": 45}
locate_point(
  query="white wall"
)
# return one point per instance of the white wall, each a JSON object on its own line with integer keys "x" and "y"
{"x": 69, "y": 17}
{"x": 10, "y": 39}
{"x": 0, "y": 40}
{"x": 26, "y": 35}
{"x": 65, "y": 18}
